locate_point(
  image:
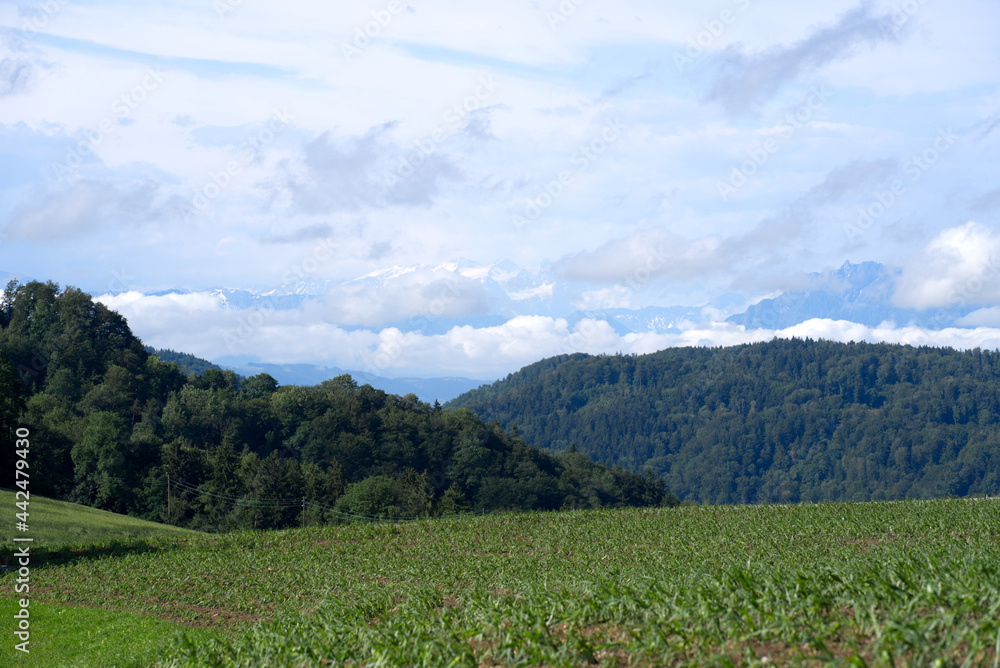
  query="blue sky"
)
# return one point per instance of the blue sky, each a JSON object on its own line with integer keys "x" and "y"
{"x": 204, "y": 144}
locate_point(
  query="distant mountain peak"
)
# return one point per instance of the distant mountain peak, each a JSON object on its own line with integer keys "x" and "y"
{"x": 860, "y": 293}
{"x": 862, "y": 274}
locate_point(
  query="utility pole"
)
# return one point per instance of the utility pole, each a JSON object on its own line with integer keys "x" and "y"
{"x": 303, "y": 512}
{"x": 168, "y": 498}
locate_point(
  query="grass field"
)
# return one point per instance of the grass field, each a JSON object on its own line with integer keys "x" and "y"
{"x": 73, "y": 635}
{"x": 912, "y": 583}
{"x": 61, "y": 523}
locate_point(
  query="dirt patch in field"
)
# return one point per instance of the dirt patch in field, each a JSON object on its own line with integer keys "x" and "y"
{"x": 205, "y": 616}
{"x": 211, "y": 616}
{"x": 485, "y": 647}
{"x": 609, "y": 644}
{"x": 189, "y": 614}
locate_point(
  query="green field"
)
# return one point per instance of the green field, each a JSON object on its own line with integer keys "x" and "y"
{"x": 62, "y": 635}
{"x": 54, "y": 523}
{"x": 908, "y": 583}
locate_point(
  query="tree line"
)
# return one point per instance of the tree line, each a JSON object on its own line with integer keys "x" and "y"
{"x": 110, "y": 423}
{"x": 782, "y": 421}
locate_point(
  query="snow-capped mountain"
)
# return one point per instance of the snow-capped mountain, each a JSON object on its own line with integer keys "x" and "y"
{"x": 662, "y": 320}
{"x": 243, "y": 300}
{"x": 433, "y": 299}
{"x": 860, "y": 293}
{"x": 415, "y": 320}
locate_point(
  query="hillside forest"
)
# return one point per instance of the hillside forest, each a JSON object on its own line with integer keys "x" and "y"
{"x": 112, "y": 426}
{"x": 778, "y": 422}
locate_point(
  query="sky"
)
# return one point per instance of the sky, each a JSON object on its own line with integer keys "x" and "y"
{"x": 619, "y": 155}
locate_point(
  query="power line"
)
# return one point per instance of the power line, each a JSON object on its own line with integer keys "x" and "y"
{"x": 275, "y": 503}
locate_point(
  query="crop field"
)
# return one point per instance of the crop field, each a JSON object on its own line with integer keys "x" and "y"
{"x": 877, "y": 584}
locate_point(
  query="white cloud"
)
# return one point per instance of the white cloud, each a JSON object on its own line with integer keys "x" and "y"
{"x": 202, "y": 325}
{"x": 540, "y": 292}
{"x": 952, "y": 337}
{"x": 960, "y": 266}
{"x": 617, "y": 296}
{"x": 646, "y": 255}
{"x": 420, "y": 293}
{"x": 984, "y": 317}
{"x": 83, "y": 207}
{"x": 641, "y": 224}
{"x": 745, "y": 81}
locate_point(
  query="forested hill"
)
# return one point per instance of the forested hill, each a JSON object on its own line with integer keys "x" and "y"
{"x": 788, "y": 420}
{"x": 188, "y": 364}
{"x": 109, "y": 422}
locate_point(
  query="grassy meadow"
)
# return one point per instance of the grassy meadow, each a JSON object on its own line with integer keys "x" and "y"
{"x": 61, "y": 523}
{"x": 886, "y": 584}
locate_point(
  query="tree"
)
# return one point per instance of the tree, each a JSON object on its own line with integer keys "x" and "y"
{"x": 452, "y": 502}
{"x": 7, "y": 303}
{"x": 412, "y": 494}
{"x": 260, "y": 386}
{"x": 224, "y": 485}
{"x": 110, "y": 424}
{"x": 319, "y": 491}
{"x": 186, "y": 466}
{"x": 12, "y": 405}
{"x": 373, "y": 497}
{"x": 98, "y": 458}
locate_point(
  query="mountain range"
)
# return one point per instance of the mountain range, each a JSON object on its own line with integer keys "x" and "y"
{"x": 465, "y": 293}
{"x": 786, "y": 420}
{"x": 861, "y": 293}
